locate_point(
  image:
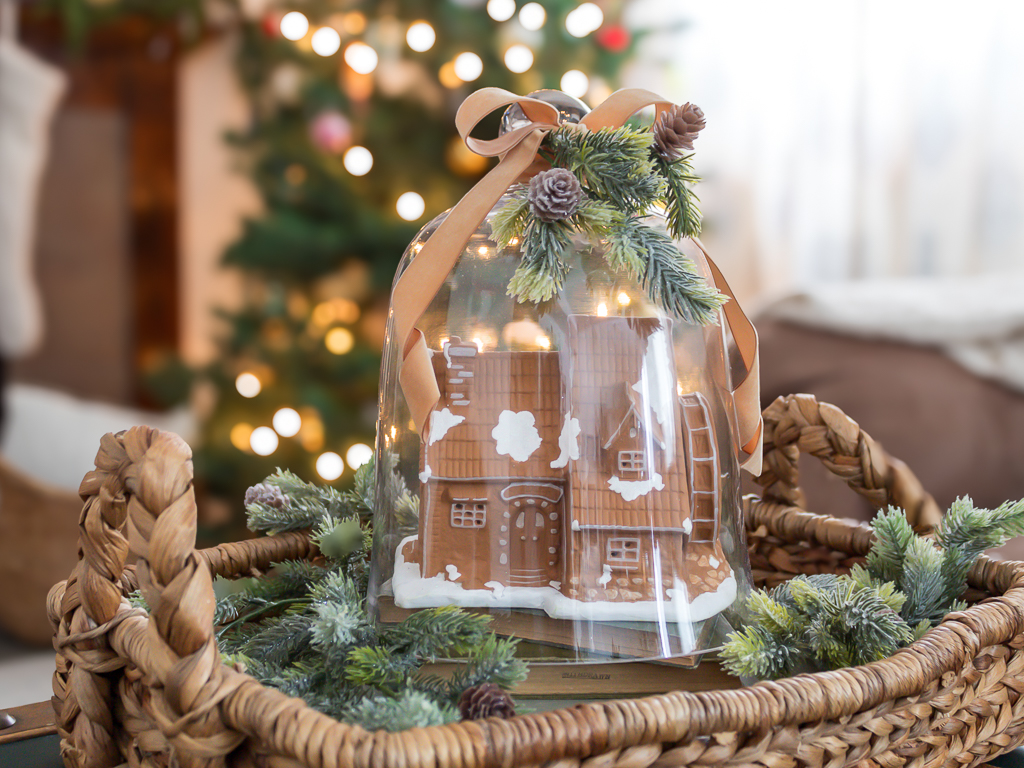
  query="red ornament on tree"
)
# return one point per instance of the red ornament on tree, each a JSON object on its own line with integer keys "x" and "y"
{"x": 270, "y": 24}
{"x": 331, "y": 131}
{"x": 614, "y": 38}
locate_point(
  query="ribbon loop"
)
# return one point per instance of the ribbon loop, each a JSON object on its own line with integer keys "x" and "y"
{"x": 480, "y": 104}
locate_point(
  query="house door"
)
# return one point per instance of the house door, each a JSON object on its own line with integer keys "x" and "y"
{"x": 534, "y": 541}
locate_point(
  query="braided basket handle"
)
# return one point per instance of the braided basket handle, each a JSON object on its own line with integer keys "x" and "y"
{"x": 799, "y": 423}
{"x": 140, "y": 498}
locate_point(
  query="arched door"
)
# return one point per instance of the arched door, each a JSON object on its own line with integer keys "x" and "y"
{"x": 534, "y": 541}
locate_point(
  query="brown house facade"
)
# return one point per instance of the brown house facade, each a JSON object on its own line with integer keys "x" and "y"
{"x": 568, "y": 481}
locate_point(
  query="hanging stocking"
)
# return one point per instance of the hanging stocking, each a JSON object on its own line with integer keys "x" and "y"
{"x": 29, "y": 92}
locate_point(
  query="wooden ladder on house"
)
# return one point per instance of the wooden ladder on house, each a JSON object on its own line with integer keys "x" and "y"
{"x": 704, "y": 471}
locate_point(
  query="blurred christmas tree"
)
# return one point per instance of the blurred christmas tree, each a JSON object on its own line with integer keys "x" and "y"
{"x": 353, "y": 147}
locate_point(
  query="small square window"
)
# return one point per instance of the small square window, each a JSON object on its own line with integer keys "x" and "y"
{"x": 469, "y": 515}
{"x": 632, "y": 461}
{"x": 623, "y": 553}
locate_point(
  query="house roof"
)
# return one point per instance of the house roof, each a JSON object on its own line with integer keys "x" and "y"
{"x": 500, "y": 381}
{"x": 607, "y": 354}
{"x": 592, "y": 378}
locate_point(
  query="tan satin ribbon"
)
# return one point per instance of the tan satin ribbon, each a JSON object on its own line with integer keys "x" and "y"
{"x": 426, "y": 273}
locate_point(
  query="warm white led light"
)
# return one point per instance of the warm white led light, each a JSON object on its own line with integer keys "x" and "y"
{"x": 361, "y": 57}
{"x": 623, "y": 299}
{"x": 329, "y": 466}
{"x": 420, "y": 36}
{"x": 287, "y": 422}
{"x": 501, "y": 10}
{"x": 575, "y": 83}
{"x": 518, "y": 58}
{"x": 358, "y": 161}
{"x": 248, "y": 385}
{"x": 326, "y": 41}
{"x": 263, "y": 441}
{"x": 410, "y": 206}
{"x": 358, "y": 455}
{"x": 294, "y": 25}
{"x": 468, "y": 66}
{"x": 532, "y": 16}
{"x": 602, "y": 310}
{"x": 583, "y": 20}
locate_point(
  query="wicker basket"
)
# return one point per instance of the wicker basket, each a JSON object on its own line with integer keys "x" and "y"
{"x": 150, "y": 689}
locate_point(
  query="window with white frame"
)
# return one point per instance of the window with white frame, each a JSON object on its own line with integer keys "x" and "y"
{"x": 469, "y": 514}
{"x": 632, "y": 461}
{"x": 623, "y": 553}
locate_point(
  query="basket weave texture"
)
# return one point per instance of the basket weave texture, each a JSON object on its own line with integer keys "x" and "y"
{"x": 150, "y": 690}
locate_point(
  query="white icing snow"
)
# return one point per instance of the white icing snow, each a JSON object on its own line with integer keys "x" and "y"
{"x": 576, "y": 525}
{"x": 440, "y": 422}
{"x": 633, "y": 489}
{"x": 495, "y": 586}
{"x": 425, "y": 474}
{"x": 555, "y": 584}
{"x": 453, "y": 572}
{"x": 516, "y": 435}
{"x": 606, "y": 575}
{"x": 568, "y": 443}
{"x": 714, "y": 561}
{"x": 412, "y": 591}
{"x": 687, "y": 525}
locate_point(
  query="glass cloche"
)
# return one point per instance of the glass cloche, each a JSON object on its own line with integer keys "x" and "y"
{"x": 574, "y": 453}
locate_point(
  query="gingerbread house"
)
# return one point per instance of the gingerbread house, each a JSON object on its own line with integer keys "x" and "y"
{"x": 578, "y": 481}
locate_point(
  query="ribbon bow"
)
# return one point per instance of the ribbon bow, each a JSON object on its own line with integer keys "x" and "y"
{"x": 416, "y": 286}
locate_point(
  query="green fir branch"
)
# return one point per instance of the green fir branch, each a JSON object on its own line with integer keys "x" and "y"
{"x": 412, "y": 709}
{"x": 509, "y": 222}
{"x": 669, "y": 278}
{"x": 541, "y": 271}
{"x": 682, "y": 214}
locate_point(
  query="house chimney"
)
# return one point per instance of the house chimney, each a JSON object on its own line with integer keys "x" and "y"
{"x": 459, "y": 357}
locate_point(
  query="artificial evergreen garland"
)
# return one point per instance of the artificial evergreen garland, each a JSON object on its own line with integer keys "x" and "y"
{"x": 618, "y": 176}
{"x": 908, "y": 585}
{"x": 305, "y": 629}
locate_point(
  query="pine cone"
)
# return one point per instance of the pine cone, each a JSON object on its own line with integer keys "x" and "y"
{"x": 676, "y": 128}
{"x": 555, "y": 194}
{"x": 486, "y": 700}
{"x": 267, "y": 495}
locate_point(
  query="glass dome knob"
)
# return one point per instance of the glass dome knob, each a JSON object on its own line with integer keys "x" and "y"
{"x": 570, "y": 110}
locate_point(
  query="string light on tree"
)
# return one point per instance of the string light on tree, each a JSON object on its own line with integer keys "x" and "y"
{"x": 518, "y": 58}
{"x": 468, "y": 67}
{"x": 326, "y": 41}
{"x": 575, "y": 83}
{"x": 263, "y": 441}
{"x": 339, "y": 341}
{"x": 410, "y": 206}
{"x": 532, "y": 16}
{"x": 623, "y": 299}
{"x": 501, "y": 10}
{"x": 240, "y": 434}
{"x": 585, "y": 19}
{"x": 294, "y": 26}
{"x": 248, "y": 385}
{"x": 361, "y": 58}
{"x": 358, "y": 455}
{"x": 329, "y": 466}
{"x": 420, "y": 36}
{"x": 358, "y": 161}
{"x": 287, "y": 422}
{"x": 448, "y": 77}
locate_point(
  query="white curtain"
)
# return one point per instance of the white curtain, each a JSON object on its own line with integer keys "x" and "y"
{"x": 850, "y": 139}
